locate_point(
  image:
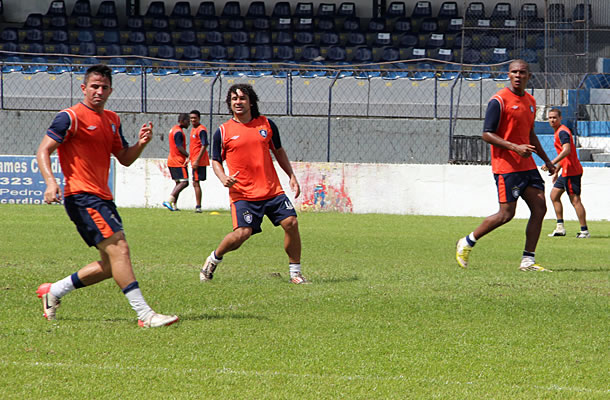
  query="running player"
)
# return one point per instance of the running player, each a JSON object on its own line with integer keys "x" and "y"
{"x": 509, "y": 128}
{"x": 85, "y": 135}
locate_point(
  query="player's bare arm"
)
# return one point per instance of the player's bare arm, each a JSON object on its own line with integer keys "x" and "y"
{"x": 282, "y": 159}
{"x": 226, "y": 180}
{"x": 52, "y": 193}
{"x": 541, "y": 153}
{"x": 130, "y": 154}
{"x": 524, "y": 150}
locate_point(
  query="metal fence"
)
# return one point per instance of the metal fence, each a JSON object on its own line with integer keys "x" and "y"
{"x": 367, "y": 115}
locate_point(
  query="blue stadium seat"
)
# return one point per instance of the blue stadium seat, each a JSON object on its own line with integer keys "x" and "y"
{"x": 350, "y": 24}
{"x": 325, "y": 24}
{"x": 9, "y": 35}
{"x": 57, "y": 7}
{"x": 58, "y": 22}
{"x": 448, "y": 9}
{"x": 12, "y": 64}
{"x": 329, "y": 38}
{"x": 281, "y": 9}
{"x": 156, "y": 9}
{"x": 107, "y": 8}
{"x": 580, "y": 15}
{"x": 474, "y": 12}
{"x": 283, "y": 53}
{"x": 281, "y": 24}
{"x": 63, "y": 64}
{"x": 231, "y": 9}
{"x": 376, "y": 25}
{"x": 34, "y": 21}
{"x": 422, "y": 9}
{"x": 39, "y": 64}
{"x": 259, "y": 24}
{"x": 81, "y": 7}
{"x": 396, "y": 9}
{"x": 557, "y": 12}
{"x": 260, "y": 38}
{"x": 256, "y": 9}
{"x": 207, "y": 9}
{"x": 407, "y": 40}
{"x": 303, "y": 38}
{"x": 355, "y": 39}
{"x": 303, "y": 10}
{"x": 118, "y": 65}
{"x": 402, "y": 25}
{"x": 303, "y": 24}
{"x": 347, "y": 9}
{"x": 82, "y": 22}
{"x": 262, "y": 53}
{"x": 326, "y": 10}
{"x": 181, "y": 9}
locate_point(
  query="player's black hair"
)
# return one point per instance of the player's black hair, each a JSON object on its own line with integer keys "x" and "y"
{"x": 99, "y": 69}
{"x": 196, "y": 112}
{"x": 556, "y": 110}
{"x": 248, "y": 90}
{"x": 183, "y": 117}
{"x": 520, "y": 61}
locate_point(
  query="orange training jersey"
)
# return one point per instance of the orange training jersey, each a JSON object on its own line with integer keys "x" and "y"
{"x": 570, "y": 165}
{"x": 198, "y": 139}
{"x": 176, "y": 138}
{"x": 87, "y": 140}
{"x": 245, "y": 148}
{"x": 517, "y": 115}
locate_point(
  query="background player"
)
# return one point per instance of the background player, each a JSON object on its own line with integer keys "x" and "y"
{"x": 245, "y": 142}
{"x": 571, "y": 174}
{"x": 177, "y": 160}
{"x": 85, "y": 135}
{"x": 509, "y": 128}
{"x": 198, "y": 144}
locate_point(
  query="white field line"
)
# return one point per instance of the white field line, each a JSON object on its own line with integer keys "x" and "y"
{"x": 230, "y": 371}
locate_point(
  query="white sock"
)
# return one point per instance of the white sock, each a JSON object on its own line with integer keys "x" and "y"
{"x": 471, "y": 237}
{"x": 137, "y": 302}
{"x": 216, "y": 260}
{"x": 295, "y": 268}
{"x": 171, "y": 200}
{"x": 62, "y": 287}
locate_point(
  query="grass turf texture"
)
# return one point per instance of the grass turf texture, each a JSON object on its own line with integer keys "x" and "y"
{"x": 389, "y": 313}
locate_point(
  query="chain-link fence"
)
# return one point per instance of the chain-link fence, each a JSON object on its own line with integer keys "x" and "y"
{"x": 425, "y": 107}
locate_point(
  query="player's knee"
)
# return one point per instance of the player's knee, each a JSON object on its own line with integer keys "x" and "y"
{"x": 290, "y": 224}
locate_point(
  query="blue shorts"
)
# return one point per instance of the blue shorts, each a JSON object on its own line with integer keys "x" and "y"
{"x": 95, "y": 219}
{"x": 199, "y": 174}
{"x": 179, "y": 173}
{"x": 571, "y": 184}
{"x": 512, "y": 185}
{"x": 249, "y": 214}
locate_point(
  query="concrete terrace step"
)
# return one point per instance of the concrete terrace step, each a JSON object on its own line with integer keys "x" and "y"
{"x": 601, "y": 157}
{"x": 587, "y": 153}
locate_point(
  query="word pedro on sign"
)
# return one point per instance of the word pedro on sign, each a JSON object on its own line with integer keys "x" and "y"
{"x": 22, "y": 183}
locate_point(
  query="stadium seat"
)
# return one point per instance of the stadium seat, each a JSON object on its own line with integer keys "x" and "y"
{"x": 422, "y": 9}
{"x": 454, "y": 25}
{"x": 107, "y": 8}
{"x": 231, "y": 9}
{"x": 207, "y": 9}
{"x": 260, "y": 38}
{"x": 61, "y": 65}
{"x": 156, "y": 9}
{"x": 396, "y": 9}
{"x": 207, "y": 24}
{"x": 57, "y": 7}
{"x": 282, "y": 37}
{"x": 159, "y": 23}
{"x": 281, "y": 24}
{"x": 234, "y": 24}
{"x": 262, "y": 53}
{"x": 39, "y": 64}
{"x": 256, "y": 9}
{"x": 33, "y": 21}
{"x": 326, "y": 10}
{"x": 336, "y": 54}
{"x": 58, "y": 22}
{"x": 283, "y": 53}
{"x": 579, "y": 14}
{"x": 347, "y": 9}
{"x": 435, "y": 41}
{"x": 9, "y": 35}
{"x": 448, "y": 10}
{"x": 557, "y": 12}
{"x": 428, "y": 25}
{"x": 303, "y": 38}
{"x": 81, "y": 7}
{"x": 181, "y": 9}
{"x": 325, "y": 24}
{"x": 407, "y": 40}
{"x": 303, "y": 24}
{"x": 501, "y": 12}
{"x": 81, "y": 22}
{"x": 355, "y": 39}
{"x": 258, "y": 23}
{"x": 472, "y": 56}
{"x": 349, "y": 24}
{"x": 118, "y": 65}
{"x": 402, "y": 25}
{"x": 528, "y": 12}
{"x": 329, "y": 38}
{"x": 440, "y": 54}
{"x": 12, "y": 64}
{"x": 281, "y": 9}
{"x": 181, "y": 23}
{"x": 303, "y": 10}
{"x": 474, "y": 12}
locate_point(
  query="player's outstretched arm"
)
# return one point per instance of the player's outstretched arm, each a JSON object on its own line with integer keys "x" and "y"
{"x": 128, "y": 155}
{"x": 541, "y": 153}
{"x": 52, "y": 193}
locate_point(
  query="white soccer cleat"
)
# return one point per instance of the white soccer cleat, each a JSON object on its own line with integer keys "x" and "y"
{"x": 530, "y": 265}
{"x": 299, "y": 279}
{"x": 50, "y": 303}
{"x": 558, "y": 232}
{"x": 583, "y": 235}
{"x": 155, "y": 320}
{"x": 462, "y": 252}
{"x": 207, "y": 272}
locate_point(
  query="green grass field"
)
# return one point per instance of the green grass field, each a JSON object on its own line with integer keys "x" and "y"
{"x": 389, "y": 314}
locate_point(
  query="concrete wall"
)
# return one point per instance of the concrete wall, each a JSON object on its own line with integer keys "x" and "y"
{"x": 449, "y": 190}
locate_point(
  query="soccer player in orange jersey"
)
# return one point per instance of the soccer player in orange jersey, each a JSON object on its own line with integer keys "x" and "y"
{"x": 509, "y": 128}
{"x": 244, "y": 142}
{"x": 571, "y": 174}
{"x": 85, "y": 135}
{"x": 198, "y": 144}
{"x": 177, "y": 160}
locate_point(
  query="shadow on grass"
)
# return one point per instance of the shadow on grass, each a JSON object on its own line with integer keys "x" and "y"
{"x": 220, "y": 316}
{"x": 338, "y": 279}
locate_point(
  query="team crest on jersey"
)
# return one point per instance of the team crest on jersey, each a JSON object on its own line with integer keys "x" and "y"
{"x": 515, "y": 191}
{"x": 248, "y": 217}
{"x": 113, "y": 127}
{"x": 532, "y": 108}
{"x": 263, "y": 133}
